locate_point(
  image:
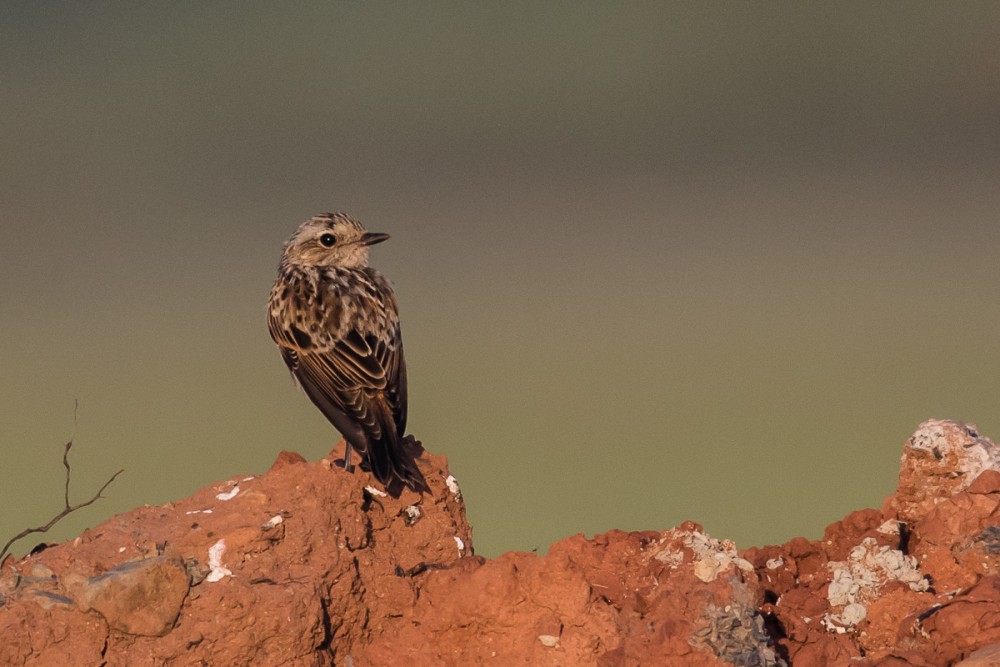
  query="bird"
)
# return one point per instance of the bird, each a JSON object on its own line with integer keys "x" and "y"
{"x": 336, "y": 324}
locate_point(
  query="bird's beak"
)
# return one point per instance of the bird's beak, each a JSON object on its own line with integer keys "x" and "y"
{"x": 371, "y": 238}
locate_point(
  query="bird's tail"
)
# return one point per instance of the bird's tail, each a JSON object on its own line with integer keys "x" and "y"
{"x": 392, "y": 458}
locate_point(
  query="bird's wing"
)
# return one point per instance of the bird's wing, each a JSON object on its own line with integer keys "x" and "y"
{"x": 348, "y": 372}
{"x": 390, "y": 357}
{"x": 352, "y": 379}
{"x": 347, "y": 376}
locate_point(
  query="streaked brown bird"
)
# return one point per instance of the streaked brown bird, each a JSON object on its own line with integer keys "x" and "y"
{"x": 335, "y": 321}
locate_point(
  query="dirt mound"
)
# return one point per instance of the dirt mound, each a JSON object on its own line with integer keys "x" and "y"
{"x": 310, "y": 565}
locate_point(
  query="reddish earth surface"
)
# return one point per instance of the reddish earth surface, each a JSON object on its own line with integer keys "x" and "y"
{"x": 310, "y": 565}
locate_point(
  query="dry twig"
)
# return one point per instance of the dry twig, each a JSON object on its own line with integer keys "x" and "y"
{"x": 68, "y": 509}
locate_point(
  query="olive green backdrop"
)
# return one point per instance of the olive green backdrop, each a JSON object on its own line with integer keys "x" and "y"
{"x": 655, "y": 261}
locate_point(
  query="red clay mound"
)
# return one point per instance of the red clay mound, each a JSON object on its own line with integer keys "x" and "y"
{"x": 310, "y": 565}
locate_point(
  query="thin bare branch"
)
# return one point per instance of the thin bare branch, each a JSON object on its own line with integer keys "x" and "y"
{"x": 69, "y": 445}
{"x": 68, "y": 509}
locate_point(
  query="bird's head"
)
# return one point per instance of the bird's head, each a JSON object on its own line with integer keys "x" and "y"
{"x": 330, "y": 240}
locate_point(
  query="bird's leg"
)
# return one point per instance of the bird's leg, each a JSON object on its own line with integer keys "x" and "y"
{"x": 347, "y": 457}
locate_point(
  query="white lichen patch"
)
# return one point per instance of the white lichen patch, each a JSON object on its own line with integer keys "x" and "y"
{"x": 229, "y": 495}
{"x": 272, "y": 522}
{"x": 858, "y": 581}
{"x": 378, "y": 493}
{"x": 412, "y": 513}
{"x": 973, "y": 453}
{"x": 460, "y": 544}
{"x": 452, "y": 484}
{"x": 854, "y": 613}
{"x": 207, "y": 511}
{"x": 549, "y": 641}
{"x": 774, "y": 563}
{"x": 889, "y": 527}
{"x": 712, "y": 557}
{"x": 218, "y": 571}
{"x": 670, "y": 558}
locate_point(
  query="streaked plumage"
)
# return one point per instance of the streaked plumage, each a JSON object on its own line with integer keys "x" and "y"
{"x": 335, "y": 321}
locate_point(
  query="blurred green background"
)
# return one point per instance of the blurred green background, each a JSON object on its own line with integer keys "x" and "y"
{"x": 655, "y": 261}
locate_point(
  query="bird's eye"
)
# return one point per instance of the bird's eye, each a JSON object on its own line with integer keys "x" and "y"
{"x": 328, "y": 240}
